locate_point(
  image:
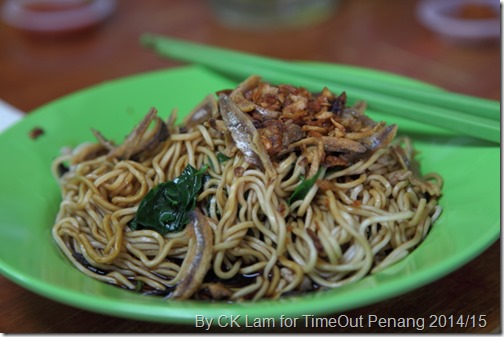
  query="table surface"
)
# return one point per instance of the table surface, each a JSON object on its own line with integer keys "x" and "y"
{"x": 383, "y": 35}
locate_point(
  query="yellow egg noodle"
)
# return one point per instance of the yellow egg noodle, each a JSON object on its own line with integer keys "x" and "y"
{"x": 293, "y": 192}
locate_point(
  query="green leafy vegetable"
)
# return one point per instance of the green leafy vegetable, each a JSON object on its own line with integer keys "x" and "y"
{"x": 139, "y": 286}
{"x": 166, "y": 207}
{"x": 222, "y": 158}
{"x": 303, "y": 188}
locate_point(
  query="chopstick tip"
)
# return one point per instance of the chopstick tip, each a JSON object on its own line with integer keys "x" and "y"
{"x": 148, "y": 40}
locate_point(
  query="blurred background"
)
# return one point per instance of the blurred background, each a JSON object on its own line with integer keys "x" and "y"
{"x": 39, "y": 64}
{"x": 50, "y": 48}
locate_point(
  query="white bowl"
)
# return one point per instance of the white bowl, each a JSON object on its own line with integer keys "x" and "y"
{"x": 56, "y": 16}
{"x": 441, "y": 17}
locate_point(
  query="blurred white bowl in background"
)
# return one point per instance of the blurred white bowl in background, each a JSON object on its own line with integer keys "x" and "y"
{"x": 464, "y": 21}
{"x": 56, "y": 16}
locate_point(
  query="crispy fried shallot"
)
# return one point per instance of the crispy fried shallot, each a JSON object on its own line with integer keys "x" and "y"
{"x": 267, "y": 122}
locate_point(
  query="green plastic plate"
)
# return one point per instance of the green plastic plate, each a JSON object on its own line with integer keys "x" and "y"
{"x": 29, "y": 200}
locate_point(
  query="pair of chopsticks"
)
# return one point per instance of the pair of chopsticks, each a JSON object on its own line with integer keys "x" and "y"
{"x": 463, "y": 114}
